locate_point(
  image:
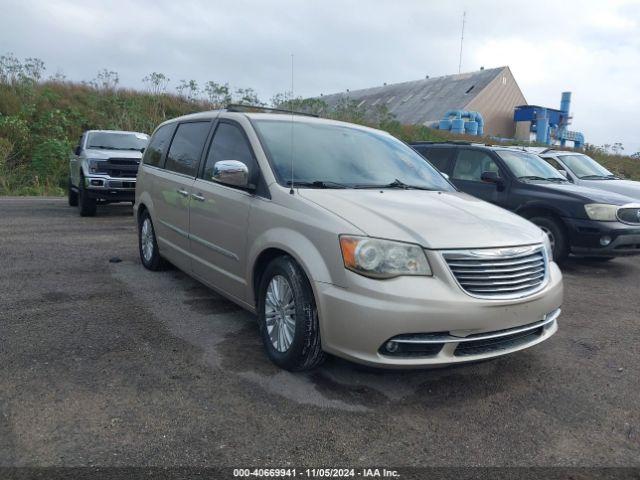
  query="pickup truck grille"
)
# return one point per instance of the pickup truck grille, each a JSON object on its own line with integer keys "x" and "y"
{"x": 119, "y": 167}
{"x": 499, "y": 273}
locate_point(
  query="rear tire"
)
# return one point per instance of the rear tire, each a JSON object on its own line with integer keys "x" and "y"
{"x": 73, "y": 195}
{"x": 288, "y": 316}
{"x": 557, "y": 236}
{"x": 87, "y": 205}
{"x": 148, "y": 244}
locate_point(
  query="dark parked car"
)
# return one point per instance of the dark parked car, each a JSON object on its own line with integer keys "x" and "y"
{"x": 578, "y": 220}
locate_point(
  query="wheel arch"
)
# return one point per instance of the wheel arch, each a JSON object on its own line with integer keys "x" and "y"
{"x": 278, "y": 242}
{"x": 531, "y": 210}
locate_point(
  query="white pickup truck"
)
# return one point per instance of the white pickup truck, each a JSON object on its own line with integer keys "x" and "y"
{"x": 103, "y": 168}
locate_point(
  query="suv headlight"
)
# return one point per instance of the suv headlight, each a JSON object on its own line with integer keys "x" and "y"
{"x": 602, "y": 212}
{"x": 377, "y": 258}
{"x": 94, "y": 165}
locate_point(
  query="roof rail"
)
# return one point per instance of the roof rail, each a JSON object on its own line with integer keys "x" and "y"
{"x": 237, "y": 107}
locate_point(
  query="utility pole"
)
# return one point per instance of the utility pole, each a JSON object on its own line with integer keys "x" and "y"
{"x": 464, "y": 17}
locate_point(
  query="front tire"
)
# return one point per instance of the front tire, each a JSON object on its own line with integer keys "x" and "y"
{"x": 148, "y": 245}
{"x": 87, "y": 205}
{"x": 557, "y": 237}
{"x": 288, "y": 316}
{"x": 73, "y": 195}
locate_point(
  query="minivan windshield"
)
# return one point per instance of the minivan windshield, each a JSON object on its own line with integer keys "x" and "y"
{"x": 117, "y": 140}
{"x": 340, "y": 156}
{"x": 527, "y": 166}
{"x": 586, "y": 167}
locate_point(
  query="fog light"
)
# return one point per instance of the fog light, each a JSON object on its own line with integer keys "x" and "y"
{"x": 606, "y": 240}
{"x": 391, "y": 347}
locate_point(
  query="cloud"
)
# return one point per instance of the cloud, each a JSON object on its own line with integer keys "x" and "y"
{"x": 591, "y": 48}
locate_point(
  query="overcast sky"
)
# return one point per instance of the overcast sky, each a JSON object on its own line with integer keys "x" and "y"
{"x": 591, "y": 48}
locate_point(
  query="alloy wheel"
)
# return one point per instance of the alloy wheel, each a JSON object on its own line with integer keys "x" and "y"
{"x": 280, "y": 313}
{"x": 552, "y": 238}
{"x": 146, "y": 239}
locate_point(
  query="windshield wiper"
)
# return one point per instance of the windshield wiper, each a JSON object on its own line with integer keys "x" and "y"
{"x": 318, "y": 184}
{"x": 531, "y": 177}
{"x": 103, "y": 147}
{"x": 599, "y": 177}
{"x": 557, "y": 179}
{"x": 395, "y": 184}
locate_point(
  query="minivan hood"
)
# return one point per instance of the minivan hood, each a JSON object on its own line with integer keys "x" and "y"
{"x": 438, "y": 220}
{"x": 628, "y": 188}
{"x": 104, "y": 154}
{"x": 588, "y": 195}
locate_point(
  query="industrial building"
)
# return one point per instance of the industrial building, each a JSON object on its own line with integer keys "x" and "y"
{"x": 492, "y": 92}
{"x": 485, "y": 102}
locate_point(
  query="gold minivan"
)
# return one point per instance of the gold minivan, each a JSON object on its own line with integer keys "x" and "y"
{"x": 343, "y": 240}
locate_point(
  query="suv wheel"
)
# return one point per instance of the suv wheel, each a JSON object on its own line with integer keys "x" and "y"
{"x": 557, "y": 237}
{"x": 87, "y": 205}
{"x": 147, "y": 244}
{"x": 288, "y": 316}
{"x": 73, "y": 195}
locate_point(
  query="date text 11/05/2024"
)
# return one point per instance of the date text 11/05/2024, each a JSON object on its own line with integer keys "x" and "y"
{"x": 316, "y": 472}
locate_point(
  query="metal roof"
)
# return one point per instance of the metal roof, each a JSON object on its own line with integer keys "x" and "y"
{"x": 423, "y": 100}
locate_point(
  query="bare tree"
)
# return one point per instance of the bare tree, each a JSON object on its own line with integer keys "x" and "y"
{"x": 188, "y": 89}
{"x": 218, "y": 94}
{"x": 156, "y": 83}
{"x": 106, "y": 80}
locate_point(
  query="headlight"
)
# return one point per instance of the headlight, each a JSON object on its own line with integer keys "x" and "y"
{"x": 94, "y": 165}
{"x": 602, "y": 212}
{"x": 377, "y": 258}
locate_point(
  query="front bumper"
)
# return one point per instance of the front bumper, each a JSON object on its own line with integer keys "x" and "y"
{"x": 585, "y": 238}
{"x": 110, "y": 189}
{"x": 357, "y": 322}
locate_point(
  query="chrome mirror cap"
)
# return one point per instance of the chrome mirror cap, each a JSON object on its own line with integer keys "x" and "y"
{"x": 231, "y": 172}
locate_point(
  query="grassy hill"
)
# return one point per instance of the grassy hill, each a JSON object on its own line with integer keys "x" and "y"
{"x": 41, "y": 120}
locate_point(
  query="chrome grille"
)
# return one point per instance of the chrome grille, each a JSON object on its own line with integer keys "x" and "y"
{"x": 499, "y": 273}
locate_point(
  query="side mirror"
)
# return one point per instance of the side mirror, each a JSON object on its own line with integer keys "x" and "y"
{"x": 490, "y": 177}
{"x": 142, "y": 150}
{"x": 444, "y": 175}
{"x": 77, "y": 150}
{"x": 231, "y": 172}
{"x": 564, "y": 173}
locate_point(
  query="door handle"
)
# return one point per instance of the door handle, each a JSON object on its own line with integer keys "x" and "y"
{"x": 197, "y": 197}
{"x": 184, "y": 193}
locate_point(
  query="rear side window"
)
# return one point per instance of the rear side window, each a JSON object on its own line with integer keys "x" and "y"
{"x": 439, "y": 157}
{"x": 229, "y": 143}
{"x": 470, "y": 165}
{"x": 186, "y": 147}
{"x": 158, "y": 145}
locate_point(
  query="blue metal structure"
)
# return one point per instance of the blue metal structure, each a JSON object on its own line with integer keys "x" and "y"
{"x": 461, "y": 121}
{"x": 549, "y": 124}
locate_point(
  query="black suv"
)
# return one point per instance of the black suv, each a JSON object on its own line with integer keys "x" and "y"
{"x": 579, "y": 220}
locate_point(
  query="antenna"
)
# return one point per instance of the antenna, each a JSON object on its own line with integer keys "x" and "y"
{"x": 291, "y": 191}
{"x": 464, "y": 17}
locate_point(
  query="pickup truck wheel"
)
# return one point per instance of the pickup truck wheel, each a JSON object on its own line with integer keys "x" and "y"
{"x": 556, "y": 234}
{"x": 148, "y": 245}
{"x": 87, "y": 205}
{"x": 288, "y": 316}
{"x": 73, "y": 195}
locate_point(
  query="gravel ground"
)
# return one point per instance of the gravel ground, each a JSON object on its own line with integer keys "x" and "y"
{"x": 109, "y": 364}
